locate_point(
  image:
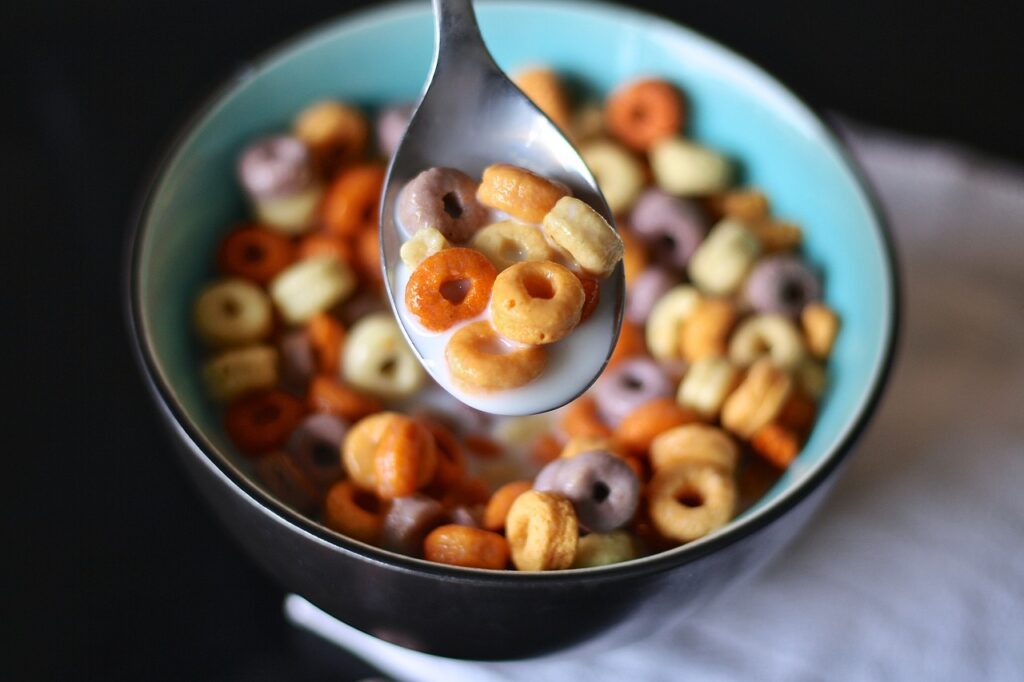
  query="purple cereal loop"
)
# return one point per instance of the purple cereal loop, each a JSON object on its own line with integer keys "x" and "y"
{"x": 604, "y": 490}
{"x": 463, "y": 515}
{"x": 628, "y": 385}
{"x": 391, "y": 125}
{"x": 316, "y": 446}
{"x": 782, "y": 284}
{"x": 298, "y": 364}
{"x": 671, "y": 227}
{"x": 444, "y": 199}
{"x": 647, "y": 288}
{"x": 408, "y": 521}
{"x": 275, "y": 167}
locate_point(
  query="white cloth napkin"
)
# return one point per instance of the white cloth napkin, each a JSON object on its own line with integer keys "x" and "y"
{"x": 914, "y": 567}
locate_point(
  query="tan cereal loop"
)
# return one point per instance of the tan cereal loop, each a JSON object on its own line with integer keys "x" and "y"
{"x": 688, "y": 501}
{"x": 479, "y": 359}
{"x": 542, "y": 532}
{"x": 507, "y": 242}
{"x": 694, "y": 443}
{"x": 536, "y": 302}
{"x": 758, "y": 400}
{"x": 706, "y": 385}
{"x": 821, "y": 325}
{"x": 335, "y": 133}
{"x": 518, "y": 192}
{"x": 619, "y": 175}
{"x": 233, "y": 312}
{"x": 770, "y": 335}
{"x": 544, "y": 88}
{"x": 666, "y": 320}
{"x": 581, "y": 231}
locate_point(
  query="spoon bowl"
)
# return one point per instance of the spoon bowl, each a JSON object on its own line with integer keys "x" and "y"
{"x": 471, "y": 116}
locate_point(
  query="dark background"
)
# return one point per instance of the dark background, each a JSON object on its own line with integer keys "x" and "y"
{"x": 112, "y": 566}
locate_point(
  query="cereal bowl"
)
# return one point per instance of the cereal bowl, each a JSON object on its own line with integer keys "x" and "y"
{"x": 380, "y": 57}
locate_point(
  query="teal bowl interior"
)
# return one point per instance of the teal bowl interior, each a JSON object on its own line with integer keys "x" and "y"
{"x": 382, "y": 56}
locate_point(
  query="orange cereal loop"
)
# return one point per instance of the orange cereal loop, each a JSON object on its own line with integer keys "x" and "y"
{"x": 326, "y": 394}
{"x": 545, "y": 90}
{"x": 501, "y": 501}
{"x": 325, "y": 244}
{"x": 326, "y": 335}
{"x": 591, "y": 296}
{"x": 641, "y": 426}
{"x": 354, "y": 512}
{"x": 777, "y": 444}
{"x": 255, "y": 253}
{"x": 483, "y": 446}
{"x": 518, "y": 192}
{"x": 262, "y": 421}
{"x": 630, "y": 344}
{"x": 579, "y": 418}
{"x": 352, "y": 200}
{"x": 450, "y": 286}
{"x": 405, "y": 459}
{"x": 644, "y": 111}
{"x": 287, "y": 482}
{"x": 457, "y": 545}
{"x": 360, "y": 447}
{"x": 451, "y": 460}
{"x": 546, "y": 448}
{"x": 367, "y": 257}
{"x": 706, "y": 333}
{"x": 536, "y": 302}
{"x": 481, "y": 360}
{"x": 634, "y": 255}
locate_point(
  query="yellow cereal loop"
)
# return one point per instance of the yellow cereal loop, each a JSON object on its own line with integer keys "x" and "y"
{"x": 241, "y": 370}
{"x": 602, "y": 549}
{"x": 706, "y": 385}
{"x": 665, "y": 323}
{"x": 581, "y": 231}
{"x": 619, "y": 175}
{"x": 311, "y": 286}
{"x": 377, "y": 359}
{"x": 233, "y": 312}
{"x": 542, "y": 531}
{"x": 507, "y": 242}
{"x": 684, "y": 168}
{"x": 424, "y": 243}
{"x": 768, "y": 334}
{"x": 722, "y": 261}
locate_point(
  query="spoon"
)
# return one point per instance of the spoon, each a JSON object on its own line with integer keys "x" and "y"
{"x": 471, "y": 116}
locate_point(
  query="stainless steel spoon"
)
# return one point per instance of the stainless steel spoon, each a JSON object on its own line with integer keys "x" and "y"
{"x": 470, "y": 116}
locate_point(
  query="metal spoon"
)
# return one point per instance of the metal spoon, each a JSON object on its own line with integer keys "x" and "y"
{"x": 470, "y": 116}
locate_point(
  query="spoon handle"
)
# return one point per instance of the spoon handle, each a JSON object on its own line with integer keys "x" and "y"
{"x": 458, "y": 40}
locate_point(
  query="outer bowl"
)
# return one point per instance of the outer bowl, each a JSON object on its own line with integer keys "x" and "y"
{"x": 382, "y": 56}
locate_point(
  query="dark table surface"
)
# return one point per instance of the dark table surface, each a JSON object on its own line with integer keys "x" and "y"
{"x": 113, "y": 566}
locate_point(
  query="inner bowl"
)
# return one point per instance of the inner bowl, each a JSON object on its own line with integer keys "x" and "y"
{"x": 381, "y": 57}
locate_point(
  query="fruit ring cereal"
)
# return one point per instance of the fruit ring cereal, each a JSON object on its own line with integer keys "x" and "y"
{"x": 644, "y": 111}
{"x": 718, "y": 367}
{"x": 536, "y": 302}
{"x": 444, "y": 199}
{"x": 233, "y": 312}
{"x": 518, "y": 192}
{"x": 542, "y": 531}
{"x": 464, "y": 546}
{"x": 507, "y": 242}
{"x": 255, "y": 253}
{"x": 478, "y": 358}
{"x": 782, "y": 284}
{"x": 603, "y": 489}
{"x": 688, "y": 501}
{"x": 451, "y": 286}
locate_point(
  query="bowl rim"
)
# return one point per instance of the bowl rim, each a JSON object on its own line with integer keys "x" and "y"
{"x": 219, "y": 464}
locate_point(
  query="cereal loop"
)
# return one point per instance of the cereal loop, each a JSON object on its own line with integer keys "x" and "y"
{"x": 233, "y": 312}
{"x": 405, "y": 459}
{"x": 352, "y": 200}
{"x": 758, "y": 400}
{"x": 575, "y": 227}
{"x": 325, "y": 244}
{"x": 542, "y": 531}
{"x": 457, "y": 545}
{"x": 499, "y": 504}
{"x": 451, "y": 460}
{"x": 507, "y": 242}
{"x": 706, "y": 333}
{"x": 262, "y": 421}
{"x": 688, "y": 501}
{"x": 639, "y": 428}
{"x": 333, "y": 397}
{"x": 255, "y": 253}
{"x": 643, "y": 112}
{"x": 335, "y": 133}
{"x": 518, "y": 192}
{"x": 580, "y": 419}
{"x": 478, "y": 358}
{"x": 630, "y": 344}
{"x": 694, "y": 443}
{"x": 449, "y": 287}
{"x": 326, "y": 336}
{"x": 536, "y": 302}
{"x": 360, "y": 446}
{"x": 236, "y": 372}
{"x": 354, "y": 512}
{"x": 287, "y": 481}
{"x": 777, "y": 444}
{"x": 543, "y": 87}
{"x": 591, "y": 296}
